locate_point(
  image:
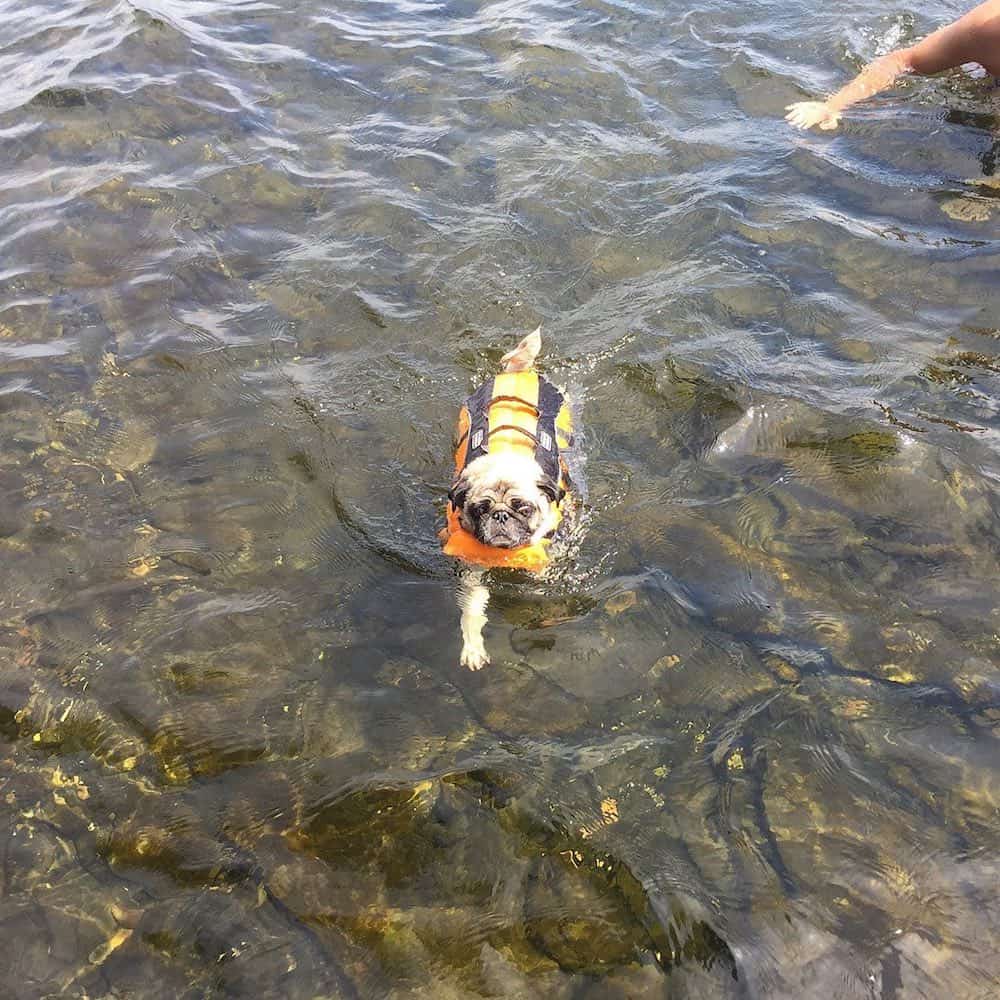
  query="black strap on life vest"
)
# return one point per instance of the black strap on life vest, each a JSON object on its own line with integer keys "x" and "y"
{"x": 550, "y": 401}
{"x": 478, "y": 407}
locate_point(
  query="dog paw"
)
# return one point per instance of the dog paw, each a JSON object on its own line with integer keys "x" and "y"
{"x": 474, "y": 657}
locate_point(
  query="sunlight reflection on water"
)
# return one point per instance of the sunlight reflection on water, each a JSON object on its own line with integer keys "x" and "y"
{"x": 254, "y": 256}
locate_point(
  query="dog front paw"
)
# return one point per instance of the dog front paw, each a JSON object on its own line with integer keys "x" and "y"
{"x": 474, "y": 656}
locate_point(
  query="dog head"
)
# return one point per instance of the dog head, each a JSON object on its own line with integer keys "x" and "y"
{"x": 505, "y": 500}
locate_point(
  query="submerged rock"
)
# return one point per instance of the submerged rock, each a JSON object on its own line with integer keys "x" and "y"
{"x": 967, "y": 209}
{"x": 582, "y": 925}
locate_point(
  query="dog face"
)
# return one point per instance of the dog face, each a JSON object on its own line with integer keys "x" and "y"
{"x": 505, "y": 500}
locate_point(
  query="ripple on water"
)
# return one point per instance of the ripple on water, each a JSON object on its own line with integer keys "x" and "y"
{"x": 740, "y": 741}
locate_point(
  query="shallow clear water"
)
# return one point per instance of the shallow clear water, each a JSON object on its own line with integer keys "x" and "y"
{"x": 745, "y": 742}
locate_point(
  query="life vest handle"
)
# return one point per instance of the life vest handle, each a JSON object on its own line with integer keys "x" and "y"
{"x": 513, "y": 399}
{"x": 505, "y": 399}
{"x": 513, "y": 427}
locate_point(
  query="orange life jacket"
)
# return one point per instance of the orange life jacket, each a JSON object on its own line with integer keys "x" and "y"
{"x": 514, "y": 412}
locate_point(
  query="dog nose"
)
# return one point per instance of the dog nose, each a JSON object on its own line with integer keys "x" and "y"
{"x": 500, "y": 516}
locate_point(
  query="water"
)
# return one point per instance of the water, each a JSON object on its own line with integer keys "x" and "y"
{"x": 744, "y": 744}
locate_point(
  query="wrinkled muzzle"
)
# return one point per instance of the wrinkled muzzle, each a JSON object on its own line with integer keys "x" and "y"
{"x": 503, "y": 529}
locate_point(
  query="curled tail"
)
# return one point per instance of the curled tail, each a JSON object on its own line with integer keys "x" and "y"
{"x": 522, "y": 358}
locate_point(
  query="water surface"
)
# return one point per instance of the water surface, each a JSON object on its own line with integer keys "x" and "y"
{"x": 744, "y": 744}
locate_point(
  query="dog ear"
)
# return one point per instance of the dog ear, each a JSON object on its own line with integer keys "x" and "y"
{"x": 550, "y": 488}
{"x": 459, "y": 492}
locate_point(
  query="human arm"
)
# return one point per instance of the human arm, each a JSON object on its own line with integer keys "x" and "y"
{"x": 972, "y": 38}
{"x": 876, "y": 76}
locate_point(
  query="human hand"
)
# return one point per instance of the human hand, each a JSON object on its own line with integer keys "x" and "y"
{"x": 805, "y": 114}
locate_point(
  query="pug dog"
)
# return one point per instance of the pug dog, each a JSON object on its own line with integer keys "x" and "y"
{"x": 511, "y": 483}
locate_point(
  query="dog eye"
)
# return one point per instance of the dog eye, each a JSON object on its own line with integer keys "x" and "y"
{"x": 481, "y": 508}
{"x": 523, "y": 507}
